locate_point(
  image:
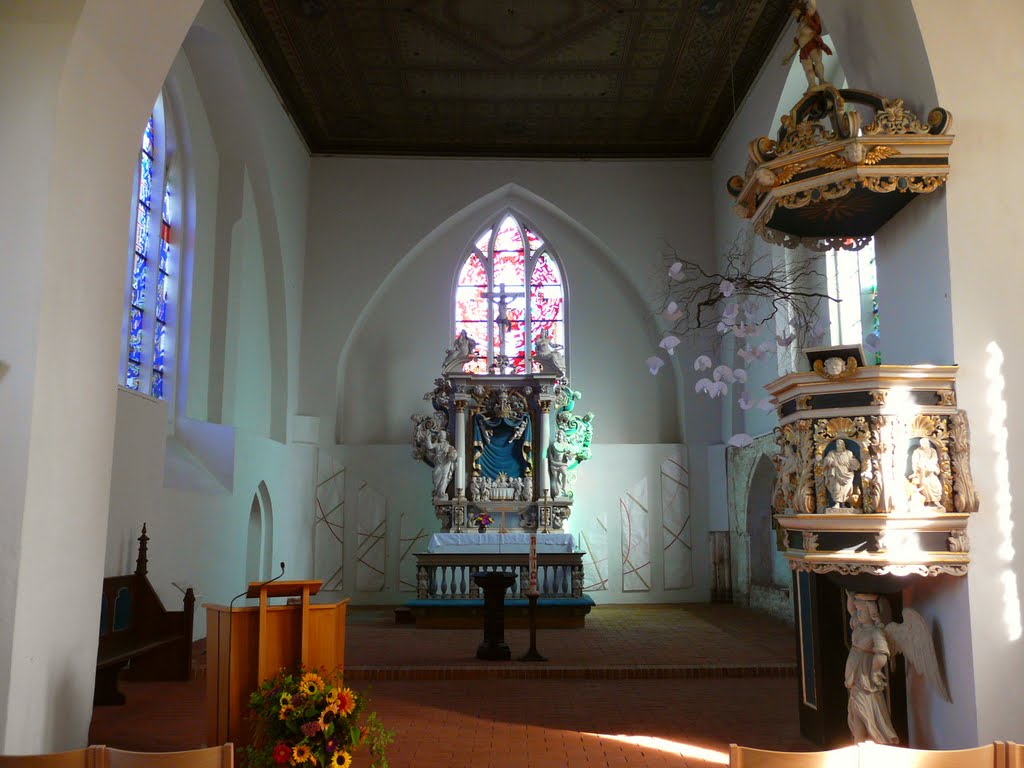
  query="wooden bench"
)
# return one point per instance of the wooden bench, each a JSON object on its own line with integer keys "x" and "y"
{"x": 138, "y": 632}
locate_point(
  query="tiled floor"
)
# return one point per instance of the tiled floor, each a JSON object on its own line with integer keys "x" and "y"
{"x": 448, "y": 709}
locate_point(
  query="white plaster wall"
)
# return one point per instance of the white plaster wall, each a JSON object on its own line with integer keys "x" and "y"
{"x": 198, "y": 534}
{"x": 195, "y": 487}
{"x": 405, "y": 485}
{"x": 369, "y": 215}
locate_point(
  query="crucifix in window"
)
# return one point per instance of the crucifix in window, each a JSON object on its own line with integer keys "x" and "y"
{"x": 502, "y": 299}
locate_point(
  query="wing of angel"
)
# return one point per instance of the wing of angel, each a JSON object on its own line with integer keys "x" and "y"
{"x": 913, "y": 639}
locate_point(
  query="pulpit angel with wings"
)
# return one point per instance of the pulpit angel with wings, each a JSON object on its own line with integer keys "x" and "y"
{"x": 871, "y": 646}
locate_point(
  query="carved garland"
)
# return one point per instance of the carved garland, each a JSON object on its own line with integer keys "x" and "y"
{"x": 852, "y": 569}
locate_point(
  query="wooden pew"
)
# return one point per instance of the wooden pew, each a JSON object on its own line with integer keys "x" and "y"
{"x": 89, "y": 757}
{"x": 136, "y": 629}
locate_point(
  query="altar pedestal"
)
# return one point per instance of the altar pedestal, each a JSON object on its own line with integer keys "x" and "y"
{"x": 494, "y": 584}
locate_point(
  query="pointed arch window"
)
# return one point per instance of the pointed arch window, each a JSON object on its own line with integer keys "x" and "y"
{"x": 152, "y": 266}
{"x": 510, "y": 289}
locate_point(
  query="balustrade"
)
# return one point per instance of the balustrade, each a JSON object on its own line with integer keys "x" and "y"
{"x": 448, "y": 576}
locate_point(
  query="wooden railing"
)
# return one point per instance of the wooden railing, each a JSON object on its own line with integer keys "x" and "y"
{"x": 448, "y": 576}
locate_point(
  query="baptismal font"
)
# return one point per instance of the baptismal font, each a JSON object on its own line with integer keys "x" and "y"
{"x": 873, "y": 491}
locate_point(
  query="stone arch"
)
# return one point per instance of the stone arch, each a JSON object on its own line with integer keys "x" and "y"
{"x": 233, "y": 119}
{"x": 459, "y": 228}
{"x": 761, "y": 549}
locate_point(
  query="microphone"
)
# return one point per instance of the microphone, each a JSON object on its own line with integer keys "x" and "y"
{"x": 231, "y": 626}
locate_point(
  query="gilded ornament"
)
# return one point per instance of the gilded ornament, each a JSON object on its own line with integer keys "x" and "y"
{"x": 965, "y": 498}
{"x": 916, "y": 184}
{"x": 831, "y": 191}
{"x": 833, "y": 162}
{"x": 785, "y": 174}
{"x": 895, "y": 120}
{"x": 810, "y": 541}
{"x": 946, "y": 397}
{"x": 879, "y": 153}
{"x": 803, "y": 403}
{"x": 878, "y": 397}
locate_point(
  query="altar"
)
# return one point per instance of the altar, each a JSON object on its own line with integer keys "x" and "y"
{"x": 504, "y": 443}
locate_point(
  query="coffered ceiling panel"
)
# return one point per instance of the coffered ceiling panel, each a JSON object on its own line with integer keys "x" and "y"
{"x": 548, "y": 78}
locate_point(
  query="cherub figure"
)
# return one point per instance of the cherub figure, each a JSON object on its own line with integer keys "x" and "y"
{"x": 808, "y": 42}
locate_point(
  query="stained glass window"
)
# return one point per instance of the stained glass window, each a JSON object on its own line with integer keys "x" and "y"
{"x": 493, "y": 305}
{"x": 151, "y": 268}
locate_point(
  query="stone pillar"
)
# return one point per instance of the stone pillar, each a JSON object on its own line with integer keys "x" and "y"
{"x": 460, "y": 446}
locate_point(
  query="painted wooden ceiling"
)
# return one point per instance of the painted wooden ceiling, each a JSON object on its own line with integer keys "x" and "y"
{"x": 526, "y": 78}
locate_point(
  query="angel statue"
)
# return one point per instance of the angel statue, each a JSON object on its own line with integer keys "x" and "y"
{"x": 463, "y": 350}
{"x": 871, "y": 646}
{"x": 548, "y": 354}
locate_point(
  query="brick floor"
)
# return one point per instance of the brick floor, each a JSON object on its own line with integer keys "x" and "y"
{"x": 487, "y": 722}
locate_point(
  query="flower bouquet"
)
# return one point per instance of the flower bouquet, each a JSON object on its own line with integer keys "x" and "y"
{"x": 310, "y": 718}
{"x": 482, "y": 520}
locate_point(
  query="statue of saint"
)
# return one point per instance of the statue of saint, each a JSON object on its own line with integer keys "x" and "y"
{"x": 867, "y": 713}
{"x": 808, "y": 42}
{"x": 442, "y": 457}
{"x": 840, "y": 465}
{"x": 924, "y": 475}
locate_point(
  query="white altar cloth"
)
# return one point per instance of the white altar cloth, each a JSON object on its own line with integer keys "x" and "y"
{"x": 471, "y": 543}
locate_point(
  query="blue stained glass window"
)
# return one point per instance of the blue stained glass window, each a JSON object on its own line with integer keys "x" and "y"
{"x": 147, "y": 137}
{"x": 131, "y": 377}
{"x": 156, "y": 388}
{"x": 165, "y": 252}
{"x": 159, "y": 338}
{"x": 139, "y": 281}
{"x": 142, "y": 230}
{"x": 145, "y": 180}
{"x": 161, "y": 297}
{"x": 135, "y": 335}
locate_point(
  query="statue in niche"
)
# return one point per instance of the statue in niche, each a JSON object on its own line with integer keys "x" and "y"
{"x": 840, "y": 465}
{"x": 441, "y": 455}
{"x": 463, "y": 350}
{"x": 924, "y": 481}
{"x": 872, "y": 644}
{"x": 502, "y": 443}
{"x": 808, "y": 42}
{"x": 548, "y": 355}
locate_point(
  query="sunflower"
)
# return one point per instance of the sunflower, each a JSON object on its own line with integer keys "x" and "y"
{"x": 286, "y": 698}
{"x": 302, "y": 754}
{"x": 332, "y": 695}
{"x": 311, "y": 683}
{"x": 341, "y": 759}
{"x": 346, "y": 701}
{"x": 329, "y": 715}
{"x": 286, "y": 712}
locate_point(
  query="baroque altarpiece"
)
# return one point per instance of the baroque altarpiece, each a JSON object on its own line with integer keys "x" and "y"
{"x": 503, "y": 448}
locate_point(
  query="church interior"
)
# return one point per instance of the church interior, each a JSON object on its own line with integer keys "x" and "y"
{"x": 715, "y": 311}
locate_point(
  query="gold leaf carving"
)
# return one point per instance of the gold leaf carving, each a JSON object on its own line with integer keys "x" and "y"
{"x": 876, "y": 154}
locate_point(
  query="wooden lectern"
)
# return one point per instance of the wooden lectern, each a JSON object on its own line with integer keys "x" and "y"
{"x": 245, "y": 646}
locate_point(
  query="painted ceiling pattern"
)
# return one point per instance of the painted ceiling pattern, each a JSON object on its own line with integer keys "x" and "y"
{"x": 559, "y": 78}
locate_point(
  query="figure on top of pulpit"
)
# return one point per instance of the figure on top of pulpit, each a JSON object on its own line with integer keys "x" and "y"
{"x": 808, "y": 42}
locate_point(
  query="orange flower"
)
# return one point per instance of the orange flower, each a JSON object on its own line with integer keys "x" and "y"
{"x": 311, "y": 683}
{"x": 286, "y": 712}
{"x": 302, "y": 754}
{"x": 346, "y": 702}
{"x": 329, "y": 715}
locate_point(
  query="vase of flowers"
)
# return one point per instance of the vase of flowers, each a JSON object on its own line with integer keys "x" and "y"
{"x": 310, "y": 718}
{"x": 482, "y": 520}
